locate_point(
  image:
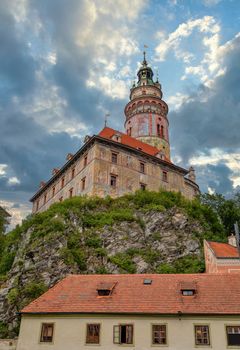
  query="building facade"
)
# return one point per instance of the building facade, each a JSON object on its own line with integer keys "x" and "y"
{"x": 135, "y": 311}
{"x": 222, "y": 257}
{"x": 115, "y": 163}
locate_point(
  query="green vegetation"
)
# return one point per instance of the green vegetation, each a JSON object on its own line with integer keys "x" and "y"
{"x": 187, "y": 264}
{"x": 215, "y": 214}
{"x": 3, "y": 330}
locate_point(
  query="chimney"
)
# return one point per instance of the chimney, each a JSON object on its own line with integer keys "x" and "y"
{"x": 69, "y": 156}
{"x": 87, "y": 138}
{"x": 42, "y": 184}
{"x": 191, "y": 174}
{"x": 232, "y": 240}
{"x": 55, "y": 171}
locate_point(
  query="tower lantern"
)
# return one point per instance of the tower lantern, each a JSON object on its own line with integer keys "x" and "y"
{"x": 146, "y": 112}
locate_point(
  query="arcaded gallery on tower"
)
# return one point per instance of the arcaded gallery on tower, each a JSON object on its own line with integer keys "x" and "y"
{"x": 115, "y": 163}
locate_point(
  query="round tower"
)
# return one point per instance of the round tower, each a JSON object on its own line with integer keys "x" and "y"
{"x": 146, "y": 112}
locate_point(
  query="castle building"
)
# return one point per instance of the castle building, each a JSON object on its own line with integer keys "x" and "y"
{"x": 115, "y": 163}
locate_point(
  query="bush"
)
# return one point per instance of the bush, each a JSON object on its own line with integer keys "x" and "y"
{"x": 13, "y": 296}
{"x": 123, "y": 261}
{"x": 34, "y": 289}
{"x": 6, "y": 262}
{"x": 3, "y": 330}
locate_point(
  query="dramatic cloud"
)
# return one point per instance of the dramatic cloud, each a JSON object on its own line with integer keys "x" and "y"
{"x": 208, "y": 124}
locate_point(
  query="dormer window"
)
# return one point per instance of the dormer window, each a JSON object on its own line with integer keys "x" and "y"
{"x": 188, "y": 288}
{"x": 116, "y": 137}
{"x": 188, "y": 292}
{"x": 103, "y": 292}
{"x": 105, "y": 289}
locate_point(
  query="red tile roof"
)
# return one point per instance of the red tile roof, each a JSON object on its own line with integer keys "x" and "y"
{"x": 223, "y": 250}
{"x": 108, "y": 133}
{"x": 215, "y": 294}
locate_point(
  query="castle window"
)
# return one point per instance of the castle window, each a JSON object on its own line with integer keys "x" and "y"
{"x": 93, "y": 333}
{"x": 114, "y": 158}
{"x": 62, "y": 182}
{"x": 45, "y": 199}
{"x": 142, "y": 167}
{"x": 37, "y": 205}
{"x": 202, "y": 335}
{"x": 165, "y": 176}
{"x": 60, "y": 199}
{"x": 53, "y": 191}
{"x": 71, "y": 192}
{"x": 143, "y": 186}
{"x": 158, "y": 129}
{"x": 113, "y": 181}
{"x": 73, "y": 172}
{"x": 159, "y": 334}
{"x": 83, "y": 183}
{"x": 233, "y": 335}
{"x": 130, "y": 131}
{"x": 47, "y": 333}
{"x": 85, "y": 161}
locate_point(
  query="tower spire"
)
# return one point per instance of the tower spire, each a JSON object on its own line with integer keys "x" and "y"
{"x": 144, "y": 59}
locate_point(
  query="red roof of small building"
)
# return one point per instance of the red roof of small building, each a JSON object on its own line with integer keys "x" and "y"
{"x": 215, "y": 294}
{"x": 108, "y": 133}
{"x": 223, "y": 250}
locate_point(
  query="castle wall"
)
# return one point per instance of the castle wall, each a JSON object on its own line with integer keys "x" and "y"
{"x": 83, "y": 169}
{"x": 129, "y": 177}
{"x": 99, "y": 168}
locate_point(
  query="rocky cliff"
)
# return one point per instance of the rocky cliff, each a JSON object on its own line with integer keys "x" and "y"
{"x": 146, "y": 232}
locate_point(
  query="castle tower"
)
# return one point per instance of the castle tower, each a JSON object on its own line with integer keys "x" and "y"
{"x": 146, "y": 112}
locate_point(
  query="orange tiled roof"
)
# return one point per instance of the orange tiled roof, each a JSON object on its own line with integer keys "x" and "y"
{"x": 223, "y": 250}
{"x": 215, "y": 294}
{"x": 108, "y": 133}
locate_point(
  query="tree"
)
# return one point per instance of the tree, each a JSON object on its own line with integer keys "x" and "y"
{"x": 228, "y": 210}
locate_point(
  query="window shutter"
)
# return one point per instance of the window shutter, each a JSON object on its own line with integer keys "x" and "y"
{"x": 129, "y": 334}
{"x": 116, "y": 334}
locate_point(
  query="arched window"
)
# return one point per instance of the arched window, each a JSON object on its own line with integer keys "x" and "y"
{"x": 158, "y": 130}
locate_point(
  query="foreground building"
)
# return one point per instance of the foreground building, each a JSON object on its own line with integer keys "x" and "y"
{"x": 222, "y": 257}
{"x": 115, "y": 163}
{"x": 141, "y": 311}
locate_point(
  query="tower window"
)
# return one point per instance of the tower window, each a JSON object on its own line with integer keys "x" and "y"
{"x": 142, "y": 167}
{"x": 62, "y": 182}
{"x": 158, "y": 130}
{"x": 45, "y": 199}
{"x": 130, "y": 131}
{"x": 53, "y": 191}
{"x": 113, "y": 181}
{"x": 37, "y": 205}
{"x": 71, "y": 192}
{"x": 162, "y": 131}
{"x": 114, "y": 158}
{"x": 60, "y": 199}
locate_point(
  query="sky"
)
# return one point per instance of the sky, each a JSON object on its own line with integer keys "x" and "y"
{"x": 64, "y": 64}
